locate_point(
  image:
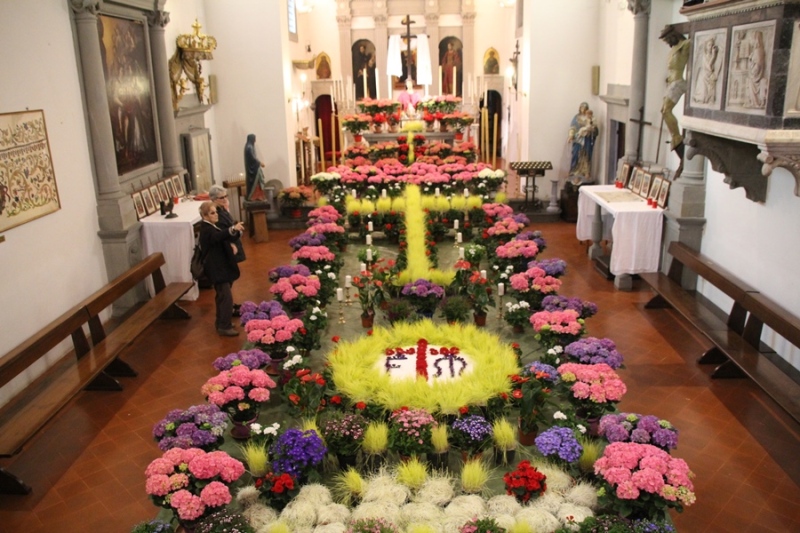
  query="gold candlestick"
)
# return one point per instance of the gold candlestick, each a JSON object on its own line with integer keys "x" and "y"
{"x": 341, "y": 313}
{"x": 347, "y": 301}
{"x": 500, "y": 312}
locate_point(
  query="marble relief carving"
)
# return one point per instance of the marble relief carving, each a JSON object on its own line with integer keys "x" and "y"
{"x": 792, "y": 102}
{"x": 708, "y": 58}
{"x": 749, "y": 67}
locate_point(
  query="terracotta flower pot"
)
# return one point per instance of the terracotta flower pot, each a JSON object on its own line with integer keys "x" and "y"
{"x": 367, "y": 320}
{"x": 358, "y": 138}
{"x": 480, "y": 319}
{"x": 519, "y": 329}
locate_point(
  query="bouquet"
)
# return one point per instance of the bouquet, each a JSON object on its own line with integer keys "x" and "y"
{"x": 273, "y": 335}
{"x": 592, "y": 350}
{"x": 559, "y": 443}
{"x": 531, "y": 392}
{"x": 471, "y": 433}
{"x": 294, "y": 197}
{"x": 525, "y": 482}
{"x": 424, "y": 295}
{"x": 239, "y": 391}
{"x": 594, "y": 388}
{"x": 533, "y": 285}
{"x": 286, "y": 271}
{"x": 278, "y": 489}
{"x": 297, "y": 453}
{"x": 252, "y": 359}
{"x": 631, "y": 427}
{"x": 556, "y": 327}
{"x": 344, "y": 433}
{"x": 372, "y": 525}
{"x": 410, "y": 431}
{"x": 296, "y": 292}
{"x": 199, "y": 426}
{"x": 192, "y": 483}
{"x": 304, "y": 392}
{"x": 249, "y": 310}
{"x": 482, "y": 525}
{"x": 562, "y": 303}
{"x": 642, "y": 481}
{"x": 518, "y": 314}
{"x": 355, "y": 124}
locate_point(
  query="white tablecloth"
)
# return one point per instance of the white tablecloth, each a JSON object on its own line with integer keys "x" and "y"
{"x": 635, "y": 231}
{"x": 173, "y": 237}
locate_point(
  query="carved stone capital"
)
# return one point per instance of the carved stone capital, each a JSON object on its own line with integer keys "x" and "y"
{"x": 432, "y": 19}
{"x": 344, "y": 20}
{"x": 91, "y": 7}
{"x": 158, "y": 18}
{"x": 381, "y": 19}
{"x": 468, "y": 18}
{"x": 737, "y": 160}
{"x": 639, "y": 6}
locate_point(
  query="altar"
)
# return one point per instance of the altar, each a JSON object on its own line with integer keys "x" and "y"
{"x": 447, "y": 136}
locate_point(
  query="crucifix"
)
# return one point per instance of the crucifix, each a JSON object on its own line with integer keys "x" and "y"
{"x": 407, "y": 22}
{"x": 641, "y": 122}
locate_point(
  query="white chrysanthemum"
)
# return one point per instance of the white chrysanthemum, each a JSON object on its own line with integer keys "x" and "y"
{"x": 247, "y": 496}
{"x": 336, "y": 527}
{"x": 377, "y": 509}
{"x": 386, "y": 489}
{"x": 558, "y": 415}
{"x": 332, "y": 513}
{"x": 423, "y": 513}
{"x": 503, "y": 504}
{"x": 584, "y": 494}
{"x": 436, "y": 490}
{"x": 540, "y": 520}
{"x": 549, "y": 501}
{"x": 315, "y": 494}
{"x": 468, "y": 505}
{"x": 572, "y": 515}
{"x": 299, "y": 514}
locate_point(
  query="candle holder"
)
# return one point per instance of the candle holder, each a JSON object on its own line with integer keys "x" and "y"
{"x": 347, "y": 301}
{"x": 341, "y": 313}
{"x": 500, "y": 308}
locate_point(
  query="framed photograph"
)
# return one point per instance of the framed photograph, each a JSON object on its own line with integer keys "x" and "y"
{"x": 138, "y": 204}
{"x": 197, "y": 152}
{"x": 149, "y": 206}
{"x": 156, "y": 194}
{"x": 162, "y": 189}
{"x": 624, "y": 174}
{"x": 645, "y": 187}
{"x": 170, "y": 188}
{"x": 637, "y": 180}
{"x": 655, "y": 187}
{"x": 177, "y": 182}
{"x": 663, "y": 193}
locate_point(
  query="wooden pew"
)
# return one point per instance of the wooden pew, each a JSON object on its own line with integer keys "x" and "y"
{"x": 90, "y": 366}
{"x": 735, "y": 334}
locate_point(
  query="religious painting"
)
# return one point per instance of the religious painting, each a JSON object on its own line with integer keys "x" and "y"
{"x": 450, "y": 66}
{"x": 491, "y": 62}
{"x": 149, "y": 206}
{"x": 162, "y": 189}
{"x": 364, "y": 69}
{"x": 707, "y": 68}
{"x": 177, "y": 182}
{"x": 637, "y": 180}
{"x": 170, "y": 189}
{"x": 197, "y": 151}
{"x": 124, "y": 53}
{"x": 663, "y": 193}
{"x": 27, "y": 179}
{"x": 322, "y": 66}
{"x": 655, "y": 188}
{"x": 138, "y": 204}
{"x": 645, "y": 186}
{"x": 749, "y": 67}
{"x": 624, "y": 174}
{"x": 156, "y": 194}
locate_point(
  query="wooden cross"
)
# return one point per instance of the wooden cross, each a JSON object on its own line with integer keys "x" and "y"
{"x": 407, "y": 22}
{"x": 641, "y": 122}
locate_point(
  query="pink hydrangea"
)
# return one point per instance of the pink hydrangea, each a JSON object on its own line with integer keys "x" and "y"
{"x": 189, "y": 506}
{"x": 514, "y": 249}
{"x": 215, "y": 494}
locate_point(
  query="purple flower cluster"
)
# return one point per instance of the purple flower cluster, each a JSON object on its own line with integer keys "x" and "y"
{"x": 423, "y": 288}
{"x": 285, "y": 271}
{"x": 593, "y": 351}
{"x": 542, "y": 372}
{"x": 296, "y": 452}
{"x": 307, "y": 239}
{"x": 631, "y": 427}
{"x": 561, "y": 442}
{"x": 198, "y": 426}
{"x": 252, "y": 359}
{"x": 554, "y": 302}
{"x": 263, "y": 311}
{"x": 520, "y": 218}
{"x": 471, "y": 432}
{"x": 535, "y": 236}
{"x": 552, "y": 267}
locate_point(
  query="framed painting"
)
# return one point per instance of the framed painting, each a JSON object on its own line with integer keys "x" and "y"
{"x": 177, "y": 182}
{"x": 637, "y": 180}
{"x": 663, "y": 193}
{"x": 655, "y": 188}
{"x": 162, "y": 189}
{"x": 156, "y": 194}
{"x": 147, "y": 198}
{"x": 124, "y": 53}
{"x": 645, "y": 188}
{"x": 170, "y": 188}
{"x": 27, "y": 179}
{"x": 197, "y": 152}
{"x": 138, "y": 204}
{"x": 624, "y": 174}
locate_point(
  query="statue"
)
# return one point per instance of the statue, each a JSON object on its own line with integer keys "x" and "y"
{"x": 582, "y": 135}
{"x": 676, "y": 85}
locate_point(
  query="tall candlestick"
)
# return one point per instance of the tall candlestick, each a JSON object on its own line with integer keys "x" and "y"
{"x": 348, "y": 281}
{"x": 501, "y": 289}
{"x": 455, "y": 78}
{"x": 364, "y": 78}
{"x": 354, "y": 193}
{"x": 321, "y": 144}
{"x": 494, "y": 143}
{"x": 455, "y": 224}
{"x": 383, "y": 193}
{"x": 339, "y": 294}
{"x": 333, "y": 137}
{"x": 436, "y": 192}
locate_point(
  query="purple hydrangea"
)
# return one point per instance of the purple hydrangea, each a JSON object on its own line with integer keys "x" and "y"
{"x": 520, "y": 218}
{"x": 535, "y": 236}
{"x": 555, "y": 302}
{"x": 252, "y": 359}
{"x": 199, "y": 426}
{"x": 632, "y": 427}
{"x": 296, "y": 452}
{"x": 266, "y": 310}
{"x": 592, "y": 351}
{"x": 423, "y": 288}
{"x": 285, "y": 271}
{"x": 307, "y": 239}
{"x": 560, "y": 442}
{"x": 552, "y": 267}
{"x": 544, "y": 371}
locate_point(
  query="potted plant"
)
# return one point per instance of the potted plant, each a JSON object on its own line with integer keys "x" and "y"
{"x": 441, "y": 447}
{"x": 592, "y": 350}
{"x": 531, "y": 393}
{"x": 482, "y": 525}
{"x": 555, "y": 302}
{"x": 455, "y": 309}
{"x": 304, "y": 392}
{"x": 474, "y": 253}
{"x": 296, "y": 293}
{"x": 518, "y": 315}
{"x": 410, "y": 431}
{"x": 559, "y": 444}
{"x": 480, "y": 296}
{"x": 199, "y": 426}
{"x": 525, "y": 482}
{"x": 632, "y": 427}
{"x": 400, "y": 310}
{"x": 471, "y": 434}
{"x": 475, "y": 475}
{"x": 293, "y": 197}
{"x": 355, "y": 124}
{"x": 298, "y": 453}
{"x": 278, "y": 489}
{"x": 594, "y": 390}
{"x": 423, "y": 295}
{"x": 344, "y": 433}
{"x": 375, "y": 444}
{"x": 239, "y": 392}
{"x": 556, "y": 328}
{"x": 225, "y": 521}
{"x": 504, "y": 436}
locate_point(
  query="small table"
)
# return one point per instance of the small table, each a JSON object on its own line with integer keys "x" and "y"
{"x": 173, "y": 237}
{"x": 530, "y": 170}
{"x": 635, "y": 230}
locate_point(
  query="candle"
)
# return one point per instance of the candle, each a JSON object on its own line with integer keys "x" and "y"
{"x": 501, "y": 289}
{"x": 354, "y": 193}
{"x": 455, "y": 77}
{"x": 458, "y": 237}
{"x": 369, "y": 240}
{"x": 370, "y": 226}
{"x": 466, "y": 193}
{"x": 348, "y": 281}
{"x": 363, "y": 267}
{"x": 383, "y": 193}
{"x": 339, "y": 294}
{"x": 461, "y": 252}
{"x": 377, "y": 85}
{"x": 436, "y": 192}
{"x": 455, "y": 224}
{"x": 369, "y": 255}
{"x": 364, "y": 78}
{"x": 483, "y": 274}
{"x": 440, "y": 80}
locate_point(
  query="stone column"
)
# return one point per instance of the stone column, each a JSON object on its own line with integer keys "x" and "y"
{"x": 468, "y": 52}
{"x": 641, "y": 21}
{"x": 432, "y": 29}
{"x": 345, "y": 51}
{"x": 381, "y": 49}
{"x": 170, "y": 151}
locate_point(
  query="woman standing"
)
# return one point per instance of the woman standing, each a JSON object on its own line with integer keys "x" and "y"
{"x": 220, "y": 263}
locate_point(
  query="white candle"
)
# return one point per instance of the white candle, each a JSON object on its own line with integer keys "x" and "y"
{"x": 363, "y": 267}
{"x": 377, "y": 85}
{"x": 354, "y": 193}
{"x": 369, "y": 226}
{"x": 369, "y": 255}
{"x": 455, "y": 224}
{"x": 383, "y": 193}
{"x": 333, "y": 97}
{"x": 364, "y": 77}
{"x": 339, "y": 294}
{"x": 458, "y": 237}
{"x": 348, "y": 281}
{"x": 483, "y": 274}
{"x": 501, "y": 289}
{"x": 440, "y": 80}
{"x": 369, "y": 240}
{"x": 460, "y": 252}
{"x": 455, "y": 77}
{"x": 466, "y": 193}
{"x": 436, "y": 192}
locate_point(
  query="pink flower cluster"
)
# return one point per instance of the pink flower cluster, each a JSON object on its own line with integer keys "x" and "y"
{"x": 276, "y": 330}
{"x": 517, "y": 249}
{"x": 288, "y": 289}
{"x": 323, "y": 215}
{"x": 534, "y": 279}
{"x": 390, "y": 171}
{"x": 633, "y": 468}
{"x": 314, "y": 253}
{"x": 172, "y": 480}
{"x": 233, "y": 388}
{"x": 506, "y": 226}
{"x": 325, "y": 228}
{"x": 565, "y": 322}
{"x": 597, "y": 383}
{"x": 497, "y": 210}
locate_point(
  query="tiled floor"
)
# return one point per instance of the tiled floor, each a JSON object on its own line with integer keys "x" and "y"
{"x": 87, "y": 467}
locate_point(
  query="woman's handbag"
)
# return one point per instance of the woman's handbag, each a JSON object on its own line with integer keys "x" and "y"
{"x": 197, "y": 263}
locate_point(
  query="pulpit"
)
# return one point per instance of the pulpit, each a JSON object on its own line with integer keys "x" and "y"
{"x": 530, "y": 170}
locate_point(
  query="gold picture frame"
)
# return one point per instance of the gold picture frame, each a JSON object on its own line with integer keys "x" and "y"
{"x": 177, "y": 182}
{"x": 655, "y": 187}
{"x": 162, "y": 188}
{"x": 138, "y": 205}
{"x": 663, "y": 193}
{"x": 156, "y": 194}
{"x": 645, "y": 185}
{"x": 147, "y": 198}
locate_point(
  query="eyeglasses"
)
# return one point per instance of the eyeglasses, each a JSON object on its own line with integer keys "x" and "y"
{"x": 212, "y": 212}
{"x": 222, "y": 197}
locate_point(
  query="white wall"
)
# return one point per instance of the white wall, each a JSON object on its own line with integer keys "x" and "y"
{"x": 51, "y": 263}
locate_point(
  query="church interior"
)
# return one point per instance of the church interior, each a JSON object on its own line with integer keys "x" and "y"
{"x": 113, "y": 108}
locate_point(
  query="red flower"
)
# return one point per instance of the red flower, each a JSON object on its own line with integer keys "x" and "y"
{"x": 516, "y": 393}
{"x": 320, "y": 381}
{"x": 361, "y": 406}
{"x": 504, "y": 396}
{"x": 335, "y": 338}
{"x": 463, "y": 409}
{"x": 336, "y": 399}
{"x": 369, "y": 333}
{"x": 303, "y": 331}
{"x": 294, "y": 398}
{"x": 302, "y": 372}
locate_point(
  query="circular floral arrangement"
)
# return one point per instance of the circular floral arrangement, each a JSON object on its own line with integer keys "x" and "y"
{"x": 362, "y": 369}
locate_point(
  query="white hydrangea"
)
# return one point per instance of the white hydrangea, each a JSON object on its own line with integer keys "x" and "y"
{"x": 558, "y": 415}
{"x": 296, "y": 360}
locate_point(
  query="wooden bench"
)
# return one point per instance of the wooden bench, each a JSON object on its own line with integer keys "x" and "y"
{"x": 93, "y": 365}
{"x": 736, "y": 335}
